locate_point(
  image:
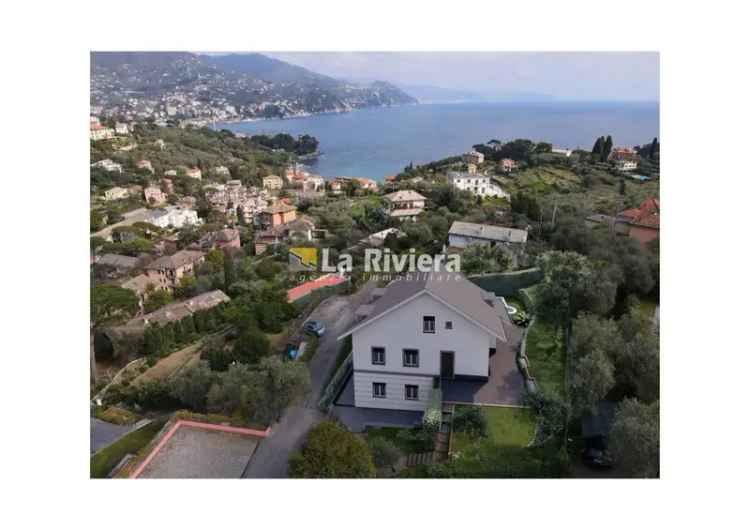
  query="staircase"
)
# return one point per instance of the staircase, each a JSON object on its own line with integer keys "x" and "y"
{"x": 442, "y": 442}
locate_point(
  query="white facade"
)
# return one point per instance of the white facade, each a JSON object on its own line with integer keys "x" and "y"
{"x": 175, "y": 217}
{"x": 115, "y": 193}
{"x": 402, "y": 328}
{"x": 480, "y": 185}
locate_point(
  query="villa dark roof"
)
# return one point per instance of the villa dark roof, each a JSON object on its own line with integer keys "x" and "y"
{"x": 490, "y": 232}
{"x": 117, "y": 260}
{"x": 450, "y": 288}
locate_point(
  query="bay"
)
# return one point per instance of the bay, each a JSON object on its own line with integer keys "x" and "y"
{"x": 377, "y": 142}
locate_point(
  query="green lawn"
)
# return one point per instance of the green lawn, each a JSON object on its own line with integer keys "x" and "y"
{"x": 546, "y": 355}
{"x": 507, "y": 426}
{"x": 105, "y": 460}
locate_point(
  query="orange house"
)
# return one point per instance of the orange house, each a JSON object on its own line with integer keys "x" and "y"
{"x": 643, "y": 222}
{"x": 278, "y": 214}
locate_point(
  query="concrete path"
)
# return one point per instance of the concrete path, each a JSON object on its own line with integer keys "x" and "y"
{"x": 288, "y": 435}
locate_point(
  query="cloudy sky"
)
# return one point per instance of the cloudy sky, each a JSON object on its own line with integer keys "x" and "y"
{"x": 591, "y": 76}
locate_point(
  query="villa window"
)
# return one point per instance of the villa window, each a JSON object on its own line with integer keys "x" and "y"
{"x": 412, "y": 392}
{"x": 428, "y": 324}
{"x": 411, "y": 358}
{"x": 448, "y": 324}
{"x": 378, "y": 355}
{"x": 378, "y": 390}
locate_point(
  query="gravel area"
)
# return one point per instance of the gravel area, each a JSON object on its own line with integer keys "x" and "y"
{"x": 198, "y": 453}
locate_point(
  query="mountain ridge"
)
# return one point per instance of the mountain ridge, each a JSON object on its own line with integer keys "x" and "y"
{"x": 200, "y": 87}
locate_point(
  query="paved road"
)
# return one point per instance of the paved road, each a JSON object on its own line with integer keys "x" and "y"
{"x": 287, "y": 436}
{"x": 129, "y": 218}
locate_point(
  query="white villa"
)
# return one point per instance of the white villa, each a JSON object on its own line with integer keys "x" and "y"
{"x": 424, "y": 329}
{"x": 175, "y": 217}
{"x": 116, "y": 193}
{"x": 478, "y": 184}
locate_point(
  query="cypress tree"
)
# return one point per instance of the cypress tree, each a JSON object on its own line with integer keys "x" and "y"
{"x": 607, "y": 148}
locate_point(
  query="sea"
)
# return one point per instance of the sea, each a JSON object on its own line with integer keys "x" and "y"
{"x": 377, "y": 142}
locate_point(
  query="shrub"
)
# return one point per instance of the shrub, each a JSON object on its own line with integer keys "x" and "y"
{"x": 421, "y": 439}
{"x": 332, "y": 452}
{"x": 251, "y": 346}
{"x": 470, "y": 420}
{"x": 385, "y": 453}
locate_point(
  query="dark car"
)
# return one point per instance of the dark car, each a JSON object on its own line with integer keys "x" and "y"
{"x": 315, "y": 327}
{"x": 597, "y": 458}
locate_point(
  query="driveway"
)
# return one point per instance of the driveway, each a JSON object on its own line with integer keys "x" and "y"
{"x": 103, "y": 433}
{"x": 287, "y": 436}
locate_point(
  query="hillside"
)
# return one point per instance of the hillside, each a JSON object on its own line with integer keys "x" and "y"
{"x": 186, "y": 86}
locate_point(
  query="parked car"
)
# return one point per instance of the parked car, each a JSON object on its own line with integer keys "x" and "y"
{"x": 315, "y": 327}
{"x": 597, "y": 458}
{"x": 292, "y": 350}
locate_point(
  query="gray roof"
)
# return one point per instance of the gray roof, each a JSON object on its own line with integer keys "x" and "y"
{"x": 183, "y": 257}
{"x": 489, "y": 232}
{"x": 117, "y": 260}
{"x": 405, "y": 195}
{"x": 450, "y": 288}
{"x": 179, "y": 310}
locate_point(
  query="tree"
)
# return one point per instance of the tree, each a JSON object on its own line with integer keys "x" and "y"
{"x": 606, "y": 148}
{"x": 109, "y": 302}
{"x": 251, "y": 346}
{"x": 634, "y": 438}
{"x": 572, "y": 284}
{"x": 191, "y": 386}
{"x": 273, "y": 387}
{"x": 229, "y": 393}
{"x": 230, "y": 274}
{"x": 593, "y": 376}
{"x": 156, "y": 299}
{"x": 478, "y": 259}
{"x": 332, "y": 452}
{"x": 385, "y": 453}
{"x": 653, "y": 149}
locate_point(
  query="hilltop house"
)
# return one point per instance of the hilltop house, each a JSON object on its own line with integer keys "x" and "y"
{"x": 272, "y": 182}
{"x": 624, "y": 158}
{"x": 108, "y": 165}
{"x": 97, "y": 131}
{"x": 424, "y": 331}
{"x": 226, "y": 238}
{"x": 122, "y": 129}
{"x": 193, "y": 173}
{"x": 642, "y": 223}
{"x": 461, "y": 235}
{"x": 404, "y": 204}
{"x": 473, "y": 157}
{"x": 480, "y": 185}
{"x": 154, "y": 196}
{"x": 277, "y": 214}
{"x": 145, "y": 164}
{"x": 173, "y": 216}
{"x": 166, "y": 272}
{"x": 508, "y": 165}
{"x": 116, "y": 193}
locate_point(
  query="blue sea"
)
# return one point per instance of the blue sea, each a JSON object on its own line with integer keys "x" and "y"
{"x": 378, "y": 142}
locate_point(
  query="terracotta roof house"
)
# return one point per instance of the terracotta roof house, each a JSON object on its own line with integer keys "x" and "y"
{"x": 277, "y": 214}
{"x": 405, "y": 204}
{"x": 166, "y": 272}
{"x": 643, "y": 222}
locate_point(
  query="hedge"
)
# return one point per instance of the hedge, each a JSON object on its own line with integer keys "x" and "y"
{"x": 508, "y": 283}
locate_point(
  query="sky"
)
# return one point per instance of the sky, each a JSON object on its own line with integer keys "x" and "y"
{"x": 571, "y": 76}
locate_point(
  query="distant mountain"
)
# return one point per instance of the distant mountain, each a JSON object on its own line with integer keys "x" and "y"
{"x": 266, "y": 68}
{"x": 435, "y": 94}
{"x": 187, "y": 86}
